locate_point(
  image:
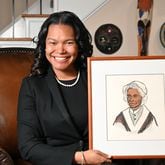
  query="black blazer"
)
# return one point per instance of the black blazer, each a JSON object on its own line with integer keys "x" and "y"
{"x": 46, "y": 134}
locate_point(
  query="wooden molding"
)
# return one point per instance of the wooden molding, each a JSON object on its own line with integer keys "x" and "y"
{"x": 35, "y": 15}
{"x": 16, "y": 39}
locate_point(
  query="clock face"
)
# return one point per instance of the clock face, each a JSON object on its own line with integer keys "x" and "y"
{"x": 108, "y": 38}
{"x": 162, "y": 35}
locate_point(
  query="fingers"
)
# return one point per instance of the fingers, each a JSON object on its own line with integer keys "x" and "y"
{"x": 97, "y": 157}
{"x": 107, "y": 158}
{"x": 102, "y": 154}
{"x": 109, "y": 161}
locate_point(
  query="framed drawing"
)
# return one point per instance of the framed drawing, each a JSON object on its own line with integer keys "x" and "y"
{"x": 126, "y": 97}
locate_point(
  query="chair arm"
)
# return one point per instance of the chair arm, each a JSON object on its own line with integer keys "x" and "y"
{"x": 5, "y": 158}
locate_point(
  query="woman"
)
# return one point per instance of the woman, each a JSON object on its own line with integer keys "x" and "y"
{"x": 52, "y": 107}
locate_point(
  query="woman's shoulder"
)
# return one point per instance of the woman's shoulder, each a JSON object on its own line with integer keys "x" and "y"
{"x": 83, "y": 71}
{"x": 34, "y": 81}
{"x": 33, "y": 78}
{"x": 36, "y": 85}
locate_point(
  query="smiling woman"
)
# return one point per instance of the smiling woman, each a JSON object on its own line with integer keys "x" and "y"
{"x": 62, "y": 51}
{"x": 53, "y": 107}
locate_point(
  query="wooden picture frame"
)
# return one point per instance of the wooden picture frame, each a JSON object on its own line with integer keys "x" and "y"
{"x": 107, "y": 76}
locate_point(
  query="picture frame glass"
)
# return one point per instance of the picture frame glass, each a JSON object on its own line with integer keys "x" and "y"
{"x": 111, "y": 105}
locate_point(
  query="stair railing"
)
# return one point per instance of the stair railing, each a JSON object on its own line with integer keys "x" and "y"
{"x": 27, "y": 6}
{"x": 13, "y": 14}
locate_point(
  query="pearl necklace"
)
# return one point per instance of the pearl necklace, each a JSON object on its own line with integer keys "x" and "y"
{"x": 69, "y": 85}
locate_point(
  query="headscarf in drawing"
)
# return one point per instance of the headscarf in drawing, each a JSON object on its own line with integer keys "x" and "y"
{"x": 141, "y": 87}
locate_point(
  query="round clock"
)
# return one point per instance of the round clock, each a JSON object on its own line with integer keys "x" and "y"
{"x": 108, "y": 38}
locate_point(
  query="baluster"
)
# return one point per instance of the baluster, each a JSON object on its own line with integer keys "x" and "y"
{"x": 40, "y": 6}
{"x": 51, "y": 4}
{"x": 27, "y": 6}
{"x": 13, "y": 18}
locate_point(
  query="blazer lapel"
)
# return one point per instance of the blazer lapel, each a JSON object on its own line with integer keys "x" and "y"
{"x": 84, "y": 77}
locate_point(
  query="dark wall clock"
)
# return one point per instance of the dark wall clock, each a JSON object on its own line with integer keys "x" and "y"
{"x": 162, "y": 34}
{"x": 108, "y": 38}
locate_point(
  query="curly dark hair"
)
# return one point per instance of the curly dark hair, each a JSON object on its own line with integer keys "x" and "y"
{"x": 83, "y": 39}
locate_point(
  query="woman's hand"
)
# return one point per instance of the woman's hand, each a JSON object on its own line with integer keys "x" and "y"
{"x": 92, "y": 157}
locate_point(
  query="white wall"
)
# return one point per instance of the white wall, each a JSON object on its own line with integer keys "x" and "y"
{"x": 83, "y": 8}
{"x": 155, "y": 46}
{"x": 124, "y": 14}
